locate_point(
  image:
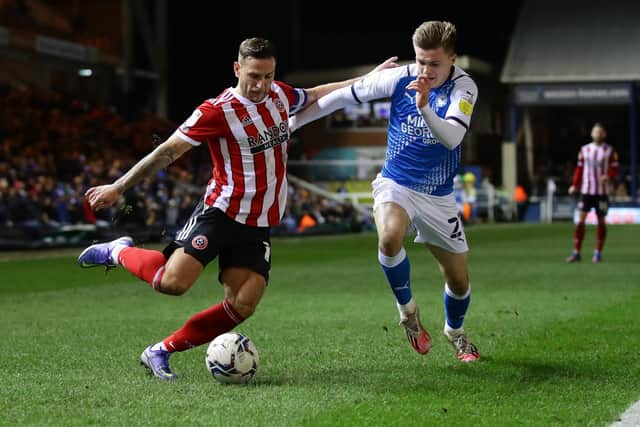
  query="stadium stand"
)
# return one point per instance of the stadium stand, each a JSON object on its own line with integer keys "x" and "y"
{"x": 565, "y": 75}
{"x": 53, "y": 147}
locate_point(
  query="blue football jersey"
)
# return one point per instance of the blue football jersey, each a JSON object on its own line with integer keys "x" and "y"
{"x": 415, "y": 158}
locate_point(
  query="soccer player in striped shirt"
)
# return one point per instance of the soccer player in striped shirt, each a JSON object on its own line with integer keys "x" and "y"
{"x": 246, "y": 131}
{"x": 431, "y": 105}
{"x": 597, "y": 165}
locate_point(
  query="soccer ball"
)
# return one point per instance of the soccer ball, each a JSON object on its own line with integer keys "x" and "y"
{"x": 232, "y": 358}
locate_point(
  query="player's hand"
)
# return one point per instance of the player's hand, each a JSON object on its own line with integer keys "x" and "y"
{"x": 604, "y": 178}
{"x": 102, "y": 196}
{"x": 422, "y": 86}
{"x": 389, "y": 63}
{"x": 572, "y": 189}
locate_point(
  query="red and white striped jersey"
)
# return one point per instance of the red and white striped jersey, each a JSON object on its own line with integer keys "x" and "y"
{"x": 594, "y": 162}
{"x": 248, "y": 143}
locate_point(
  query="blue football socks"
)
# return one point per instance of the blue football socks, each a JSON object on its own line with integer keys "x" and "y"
{"x": 455, "y": 307}
{"x": 398, "y": 270}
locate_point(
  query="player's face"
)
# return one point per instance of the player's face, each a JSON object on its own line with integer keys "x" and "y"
{"x": 598, "y": 134}
{"x": 255, "y": 77}
{"x": 435, "y": 64}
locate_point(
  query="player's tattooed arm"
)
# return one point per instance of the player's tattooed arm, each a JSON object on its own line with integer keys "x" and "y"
{"x": 164, "y": 154}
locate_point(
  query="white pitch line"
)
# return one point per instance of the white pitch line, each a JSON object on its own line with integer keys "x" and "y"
{"x": 630, "y": 418}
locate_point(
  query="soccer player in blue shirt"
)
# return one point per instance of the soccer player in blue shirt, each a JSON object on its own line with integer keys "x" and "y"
{"x": 431, "y": 105}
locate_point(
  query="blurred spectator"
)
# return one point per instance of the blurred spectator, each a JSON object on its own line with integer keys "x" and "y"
{"x": 45, "y": 170}
{"x": 306, "y": 222}
{"x": 521, "y": 199}
{"x": 458, "y": 193}
{"x": 620, "y": 192}
{"x": 469, "y": 196}
{"x": 288, "y": 224}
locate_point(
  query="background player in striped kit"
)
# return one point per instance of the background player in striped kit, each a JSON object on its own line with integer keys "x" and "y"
{"x": 246, "y": 130}
{"x": 597, "y": 165}
{"x": 431, "y": 105}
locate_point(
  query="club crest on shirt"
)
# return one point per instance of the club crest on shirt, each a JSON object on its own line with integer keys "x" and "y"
{"x": 279, "y": 105}
{"x": 200, "y": 242}
{"x": 441, "y": 101}
{"x": 246, "y": 121}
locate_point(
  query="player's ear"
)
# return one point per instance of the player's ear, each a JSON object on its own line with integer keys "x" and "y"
{"x": 453, "y": 57}
{"x": 236, "y": 69}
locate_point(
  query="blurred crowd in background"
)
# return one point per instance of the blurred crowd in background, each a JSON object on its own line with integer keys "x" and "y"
{"x": 52, "y": 148}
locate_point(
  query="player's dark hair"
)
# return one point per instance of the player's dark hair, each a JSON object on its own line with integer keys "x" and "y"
{"x": 256, "y": 47}
{"x": 435, "y": 34}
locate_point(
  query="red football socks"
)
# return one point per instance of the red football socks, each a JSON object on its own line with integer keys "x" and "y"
{"x": 601, "y": 235}
{"x": 578, "y": 237}
{"x": 146, "y": 264}
{"x": 204, "y": 326}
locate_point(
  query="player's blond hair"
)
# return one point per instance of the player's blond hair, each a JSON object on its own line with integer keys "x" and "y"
{"x": 435, "y": 34}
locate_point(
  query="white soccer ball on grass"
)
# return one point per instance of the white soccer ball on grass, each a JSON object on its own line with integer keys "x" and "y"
{"x": 232, "y": 358}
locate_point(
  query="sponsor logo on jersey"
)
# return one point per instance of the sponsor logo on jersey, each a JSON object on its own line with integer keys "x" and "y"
{"x": 200, "y": 242}
{"x": 268, "y": 138}
{"x": 416, "y": 121}
{"x": 466, "y": 103}
{"x": 416, "y": 128}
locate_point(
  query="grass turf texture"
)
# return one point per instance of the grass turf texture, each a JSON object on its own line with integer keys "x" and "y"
{"x": 559, "y": 342}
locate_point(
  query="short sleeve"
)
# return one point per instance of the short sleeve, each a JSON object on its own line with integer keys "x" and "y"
{"x": 204, "y": 123}
{"x": 297, "y": 97}
{"x": 580, "y": 159}
{"x": 463, "y": 99}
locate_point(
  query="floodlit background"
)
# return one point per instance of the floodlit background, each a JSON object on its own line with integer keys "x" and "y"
{"x": 88, "y": 88}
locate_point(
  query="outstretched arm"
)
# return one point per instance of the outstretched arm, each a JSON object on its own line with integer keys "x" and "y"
{"x": 317, "y": 92}
{"x": 374, "y": 85}
{"x": 166, "y": 153}
{"x": 322, "y": 107}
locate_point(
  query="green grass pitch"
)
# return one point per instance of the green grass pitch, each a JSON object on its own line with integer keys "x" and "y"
{"x": 559, "y": 343}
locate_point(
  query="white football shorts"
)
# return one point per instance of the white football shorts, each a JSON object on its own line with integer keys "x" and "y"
{"x": 434, "y": 218}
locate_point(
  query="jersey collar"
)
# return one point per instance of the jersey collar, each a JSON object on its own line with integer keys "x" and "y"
{"x": 246, "y": 101}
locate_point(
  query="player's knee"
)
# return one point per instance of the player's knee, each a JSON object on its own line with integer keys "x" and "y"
{"x": 459, "y": 284}
{"x": 390, "y": 244}
{"x": 244, "y": 307}
{"x": 173, "y": 286}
